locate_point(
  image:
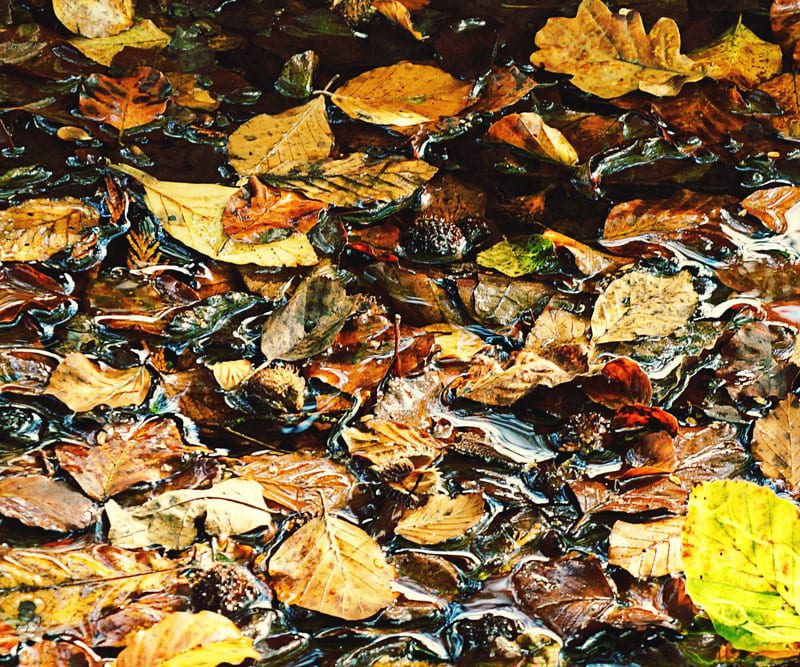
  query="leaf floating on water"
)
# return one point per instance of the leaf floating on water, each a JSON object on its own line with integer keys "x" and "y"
{"x": 441, "y": 518}
{"x": 94, "y": 18}
{"x": 333, "y": 567}
{"x": 528, "y": 132}
{"x": 143, "y": 35}
{"x": 776, "y": 442}
{"x": 647, "y": 549}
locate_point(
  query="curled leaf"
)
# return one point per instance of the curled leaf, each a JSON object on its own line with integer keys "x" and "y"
{"x": 528, "y": 132}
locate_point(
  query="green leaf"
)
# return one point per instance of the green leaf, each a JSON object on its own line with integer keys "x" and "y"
{"x": 741, "y": 555}
{"x": 518, "y": 257}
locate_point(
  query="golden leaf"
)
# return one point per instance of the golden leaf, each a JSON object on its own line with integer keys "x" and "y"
{"x": 441, "y": 518}
{"x": 397, "y": 12}
{"x": 528, "y": 132}
{"x": 610, "y": 55}
{"x": 187, "y": 92}
{"x": 402, "y": 94}
{"x": 277, "y": 144}
{"x": 778, "y": 208}
{"x": 456, "y": 343}
{"x": 230, "y": 374}
{"x": 37, "y": 229}
{"x": 192, "y": 213}
{"x": 359, "y": 179}
{"x": 776, "y": 442}
{"x": 739, "y": 55}
{"x": 143, "y": 35}
{"x": 643, "y": 304}
{"x": 82, "y": 384}
{"x": 647, "y": 549}
{"x": 333, "y": 567}
{"x": 183, "y": 639}
{"x": 94, "y": 18}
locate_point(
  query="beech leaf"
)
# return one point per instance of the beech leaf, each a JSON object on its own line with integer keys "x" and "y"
{"x": 143, "y": 35}
{"x": 528, "y": 132}
{"x": 776, "y": 442}
{"x": 520, "y": 256}
{"x": 94, "y": 18}
{"x": 441, "y": 518}
{"x": 647, "y": 549}
{"x": 39, "y": 501}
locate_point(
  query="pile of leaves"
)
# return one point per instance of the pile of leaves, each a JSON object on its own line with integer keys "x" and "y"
{"x": 403, "y": 332}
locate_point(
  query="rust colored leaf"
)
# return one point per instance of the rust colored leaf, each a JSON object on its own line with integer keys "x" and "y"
{"x": 785, "y": 90}
{"x": 42, "y": 502}
{"x": 528, "y": 132}
{"x": 23, "y": 288}
{"x": 621, "y": 382}
{"x": 775, "y": 207}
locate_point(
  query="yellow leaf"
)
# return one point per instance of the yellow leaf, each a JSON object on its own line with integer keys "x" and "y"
{"x": 456, "y": 343}
{"x": 82, "y": 384}
{"x": 277, "y": 144}
{"x": 402, "y": 94}
{"x": 398, "y": 13}
{"x": 333, "y": 567}
{"x": 187, "y": 92}
{"x": 739, "y": 55}
{"x": 358, "y": 179}
{"x": 183, "y": 639}
{"x": 37, "y": 229}
{"x": 94, "y": 18}
{"x": 528, "y": 132}
{"x": 192, "y": 213}
{"x": 776, "y": 442}
{"x": 643, "y": 304}
{"x": 610, "y": 55}
{"x": 230, "y": 374}
{"x": 441, "y": 518}
{"x": 143, "y": 35}
{"x": 647, "y": 549}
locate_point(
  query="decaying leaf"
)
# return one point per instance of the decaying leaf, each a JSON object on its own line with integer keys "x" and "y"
{"x": 643, "y": 304}
{"x": 37, "y": 229}
{"x": 441, "y": 518}
{"x": 739, "y": 554}
{"x": 783, "y": 89}
{"x": 204, "y": 639}
{"x": 231, "y": 507}
{"x": 610, "y": 55}
{"x": 46, "y": 503}
{"x": 82, "y": 384}
{"x": 777, "y": 207}
{"x": 333, "y": 567}
{"x": 528, "y": 132}
{"x": 456, "y": 343}
{"x": 192, "y": 213}
{"x": 776, "y": 442}
{"x": 402, "y": 94}
{"x": 94, "y": 18}
{"x": 143, "y": 35}
{"x": 187, "y": 92}
{"x": 647, "y": 549}
{"x": 281, "y": 143}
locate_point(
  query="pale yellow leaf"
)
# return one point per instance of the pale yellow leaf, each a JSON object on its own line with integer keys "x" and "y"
{"x": 94, "y": 18}
{"x": 441, "y": 518}
{"x": 230, "y": 374}
{"x": 456, "y": 343}
{"x": 143, "y": 35}
{"x": 647, "y": 549}
{"x": 398, "y": 13}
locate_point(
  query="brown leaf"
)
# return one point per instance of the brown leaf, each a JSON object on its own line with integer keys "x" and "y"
{"x": 125, "y": 454}
{"x": 621, "y": 382}
{"x": 23, "y": 288}
{"x": 706, "y": 453}
{"x": 784, "y": 17}
{"x": 647, "y": 549}
{"x": 776, "y": 442}
{"x": 775, "y": 207}
{"x": 125, "y": 102}
{"x": 639, "y": 496}
{"x": 45, "y": 503}
{"x": 528, "y": 132}
{"x": 505, "y": 86}
{"x": 784, "y": 90}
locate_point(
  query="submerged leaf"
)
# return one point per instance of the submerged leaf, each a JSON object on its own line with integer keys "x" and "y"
{"x": 143, "y": 35}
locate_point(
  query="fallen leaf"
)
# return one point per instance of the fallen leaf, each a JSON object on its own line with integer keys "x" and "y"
{"x": 776, "y": 442}
{"x": 739, "y": 55}
{"x": 587, "y": 260}
{"x": 620, "y": 382}
{"x": 777, "y": 207}
{"x": 402, "y": 94}
{"x": 610, "y": 55}
{"x": 528, "y": 132}
{"x": 504, "y": 86}
{"x": 37, "y": 229}
{"x": 204, "y": 639}
{"x": 643, "y": 304}
{"x": 54, "y": 653}
{"x": 143, "y": 35}
{"x": 783, "y": 89}
{"x": 94, "y": 18}
{"x": 24, "y": 290}
{"x": 441, "y": 518}
{"x": 359, "y": 180}
{"x": 187, "y": 92}
{"x": 647, "y": 549}
{"x": 125, "y": 102}
{"x": 333, "y": 567}
{"x": 520, "y": 256}
{"x": 232, "y": 507}
{"x": 397, "y": 12}
{"x": 281, "y": 143}
{"x": 783, "y": 16}
{"x": 192, "y": 213}
{"x": 307, "y": 324}
{"x": 297, "y": 75}
{"x": 739, "y": 553}
{"x": 709, "y": 452}
{"x": 124, "y": 455}
{"x": 230, "y": 374}
{"x": 456, "y": 343}
{"x": 82, "y": 384}
{"x": 45, "y": 503}
{"x": 299, "y": 482}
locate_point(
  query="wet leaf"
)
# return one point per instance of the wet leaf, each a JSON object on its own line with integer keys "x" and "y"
{"x": 297, "y": 75}
{"x": 333, "y": 567}
{"x": 783, "y": 89}
{"x": 24, "y": 291}
{"x": 398, "y": 12}
{"x": 775, "y": 207}
{"x": 528, "y": 132}
{"x": 776, "y": 442}
{"x": 647, "y": 549}
{"x": 519, "y": 257}
{"x": 187, "y": 92}
{"x": 230, "y": 374}
{"x": 182, "y": 639}
{"x": 42, "y": 502}
{"x": 738, "y": 554}
{"x": 143, "y": 35}
{"x": 643, "y": 304}
{"x": 402, "y": 94}
{"x": 504, "y": 87}
{"x": 456, "y": 343}
{"x": 610, "y": 55}
{"x": 441, "y": 518}
{"x": 94, "y": 18}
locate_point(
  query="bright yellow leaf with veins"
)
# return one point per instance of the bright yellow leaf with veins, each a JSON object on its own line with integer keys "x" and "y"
{"x": 143, "y": 35}
{"x": 611, "y": 54}
{"x": 402, "y": 94}
{"x": 192, "y": 213}
{"x": 441, "y": 518}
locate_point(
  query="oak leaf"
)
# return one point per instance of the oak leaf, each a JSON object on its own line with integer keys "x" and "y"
{"x": 643, "y": 304}
{"x": 192, "y": 213}
{"x": 94, "y": 18}
{"x": 333, "y": 567}
{"x": 610, "y": 55}
{"x": 82, "y": 384}
{"x": 776, "y": 207}
{"x": 279, "y": 143}
{"x": 647, "y": 549}
{"x": 143, "y": 35}
{"x": 776, "y": 442}
{"x": 441, "y": 518}
{"x": 402, "y": 94}
{"x": 125, "y": 102}
{"x": 183, "y": 639}
{"x": 39, "y": 501}
{"x": 528, "y": 132}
